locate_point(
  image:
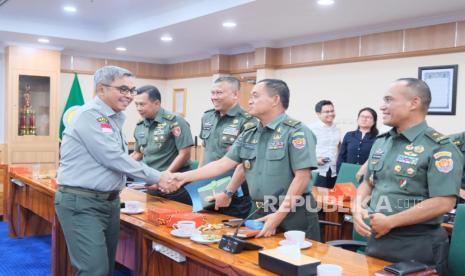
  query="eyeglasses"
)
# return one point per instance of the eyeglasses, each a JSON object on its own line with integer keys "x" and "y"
{"x": 123, "y": 89}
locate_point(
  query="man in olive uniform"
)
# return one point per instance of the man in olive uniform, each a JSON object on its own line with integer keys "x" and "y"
{"x": 220, "y": 128}
{"x": 413, "y": 178}
{"x": 277, "y": 155}
{"x": 458, "y": 139}
{"x": 163, "y": 140}
{"x": 93, "y": 167}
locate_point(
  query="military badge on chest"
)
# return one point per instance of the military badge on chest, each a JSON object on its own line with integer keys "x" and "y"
{"x": 377, "y": 155}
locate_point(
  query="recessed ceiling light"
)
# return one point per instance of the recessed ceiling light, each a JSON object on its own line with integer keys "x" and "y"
{"x": 121, "y": 49}
{"x": 70, "y": 9}
{"x": 166, "y": 38}
{"x": 43, "y": 40}
{"x": 325, "y": 2}
{"x": 229, "y": 24}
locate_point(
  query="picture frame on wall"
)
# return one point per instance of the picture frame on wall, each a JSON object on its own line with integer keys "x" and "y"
{"x": 442, "y": 81}
{"x": 179, "y": 101}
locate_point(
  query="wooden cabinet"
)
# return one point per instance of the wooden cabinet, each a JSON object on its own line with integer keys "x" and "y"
{"x": 3, "y": 190}
{"x": 32, "y": 81}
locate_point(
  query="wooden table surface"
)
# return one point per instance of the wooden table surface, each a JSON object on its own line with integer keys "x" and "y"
{"x": 245, "y": 263}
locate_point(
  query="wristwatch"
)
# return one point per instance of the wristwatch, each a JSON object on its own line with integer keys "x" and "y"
{"x": 228, "y": 193}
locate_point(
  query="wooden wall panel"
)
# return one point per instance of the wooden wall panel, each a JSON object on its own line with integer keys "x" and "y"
{"x": 382, "y": 43}
{"x": 131, "y": 66}
{"x": 341, "y": 48}
{"x": 283, "y": 56}
{"x": 461, "y": 33}
{"x": 220, "y": 64}
{"x": 306, "y": 53}
{"x": 431, "y": 37}
{"x": 242, "y": 62}
{"x": 151, "y": 70}
{"x": 83, "y": 65}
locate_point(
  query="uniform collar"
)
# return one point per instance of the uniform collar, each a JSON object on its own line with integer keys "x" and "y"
{"x": 276, "y": 121}
{"x": 159, "y": 116}
{"x": 412, "y": 132}
{"x": 234, "y": 111}
{"x": 103, "y": 107}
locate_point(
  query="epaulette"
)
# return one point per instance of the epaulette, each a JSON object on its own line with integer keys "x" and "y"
{"x": 457, "y": 142}
{"x": 140, "y": 122}
{"x": 249, "y": 125}
{"x": 292, "y": 122}
{"x": 246, "y": 114}
{"x": 382, "y": 134}
{"x": 436, "y": 136}
{"x": 210, "y": 110}
{"x": 169, "y": 116}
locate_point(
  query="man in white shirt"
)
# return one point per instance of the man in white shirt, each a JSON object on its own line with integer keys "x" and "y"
{"x": 328, "y": 138}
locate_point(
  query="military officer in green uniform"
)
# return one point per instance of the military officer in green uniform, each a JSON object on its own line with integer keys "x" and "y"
{"x": 413, "y": 178}
{"x": 277, "y": 155}
{"x": 220, "y": 128}
{"x": 458, "y": 139}
{"x": 94, "y": 162}
{"x": 163, "y": 139}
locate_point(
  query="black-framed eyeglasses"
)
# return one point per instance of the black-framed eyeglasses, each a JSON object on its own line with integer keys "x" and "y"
{"x": 123, "y": 89}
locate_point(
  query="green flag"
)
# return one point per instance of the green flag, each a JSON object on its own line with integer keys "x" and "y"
{"x": 75, "y": 100}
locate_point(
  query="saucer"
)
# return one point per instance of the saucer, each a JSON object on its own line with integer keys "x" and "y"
{"x": 132, "y": 212}
{"x": 303, "y": 245}
{"x": 179, "y": 234}
{"x": 200, "y": 239}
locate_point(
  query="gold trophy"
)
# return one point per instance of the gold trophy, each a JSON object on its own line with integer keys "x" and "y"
{"x": 27, "y": 122}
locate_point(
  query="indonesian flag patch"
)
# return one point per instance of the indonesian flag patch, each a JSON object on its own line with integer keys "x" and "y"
{"x": 106, "y": 127}
{"x": 176, "y": 131}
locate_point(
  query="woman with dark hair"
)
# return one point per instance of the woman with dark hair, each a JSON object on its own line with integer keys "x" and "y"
{"x": 356, "y": 144}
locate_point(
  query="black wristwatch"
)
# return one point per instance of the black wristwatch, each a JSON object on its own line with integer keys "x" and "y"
{"x": 228, "y": 193}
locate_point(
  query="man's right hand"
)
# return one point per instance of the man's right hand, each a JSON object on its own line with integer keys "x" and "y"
{"x": 221, "y": 200}
{"x": 360, "y": 226}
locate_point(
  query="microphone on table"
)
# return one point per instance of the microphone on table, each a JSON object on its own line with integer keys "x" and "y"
{"x": 234, "y": 244}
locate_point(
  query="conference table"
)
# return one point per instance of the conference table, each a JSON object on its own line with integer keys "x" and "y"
{"x": 31, "y": 212}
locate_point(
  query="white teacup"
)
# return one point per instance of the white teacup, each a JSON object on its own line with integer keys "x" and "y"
{"x": 295, "y": 237}
{"x": 329, "y": 270}
{"x": 185, "y": 227}
{"x": 132, "y": 205}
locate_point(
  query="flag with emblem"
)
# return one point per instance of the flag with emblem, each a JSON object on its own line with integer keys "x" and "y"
{"x": 75, "y": 100}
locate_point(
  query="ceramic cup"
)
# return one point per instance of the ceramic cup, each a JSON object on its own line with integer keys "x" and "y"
{"x": 132, "y": 205}
{"x": 329, "y": 270}
{"x": 295, "y": 237}
{"x": 185, "y": 227}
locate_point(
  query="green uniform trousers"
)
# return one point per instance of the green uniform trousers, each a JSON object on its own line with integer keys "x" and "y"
{"x": 428, "y": 244}
{"x": 91, "y": 229}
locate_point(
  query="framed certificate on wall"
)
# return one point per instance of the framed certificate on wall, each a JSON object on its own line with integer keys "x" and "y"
{"x": 179, "y": 101}
{"x": 442, "y": 81}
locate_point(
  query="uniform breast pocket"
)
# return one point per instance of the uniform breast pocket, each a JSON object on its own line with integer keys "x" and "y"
{"x": 274, "y": 161}
{"x": 228, "y": 139}
{"x": 205, "y": 133}
{"x": 375, "y": 165}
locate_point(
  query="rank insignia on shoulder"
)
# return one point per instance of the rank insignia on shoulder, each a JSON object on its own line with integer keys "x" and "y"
{"x": 249, "y": 125}
{"x": 291, "y": 122}
{"x": 169, "y": 116}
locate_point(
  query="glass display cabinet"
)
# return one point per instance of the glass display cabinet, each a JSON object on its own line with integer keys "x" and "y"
{"x": 31, "y": 126}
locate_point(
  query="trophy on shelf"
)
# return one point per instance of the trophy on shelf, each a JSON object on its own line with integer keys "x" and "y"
{"x": 27, "y": 124}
